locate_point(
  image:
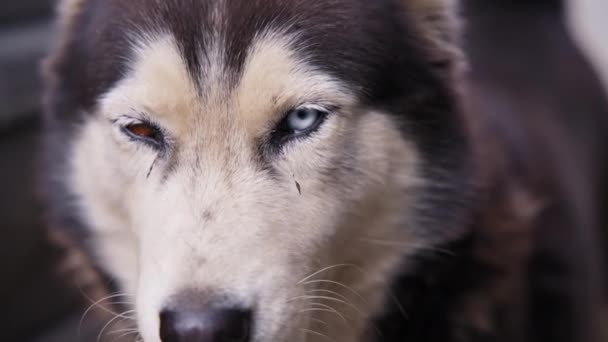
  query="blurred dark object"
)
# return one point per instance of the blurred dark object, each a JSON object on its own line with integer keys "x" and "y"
{"x": 543, "y": 112}
{"x": 25, "y": 32}
{"x": 17, "y": 12}
{"x": 33, "y": 292}
{"x": 36, "y": 299}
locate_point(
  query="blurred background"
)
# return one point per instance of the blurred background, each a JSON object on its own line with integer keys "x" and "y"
{"x": 38, "y": 304}
{"x": 36, "y": 300}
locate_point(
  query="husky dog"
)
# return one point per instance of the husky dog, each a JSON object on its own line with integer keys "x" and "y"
{"x": 262, "y": 170}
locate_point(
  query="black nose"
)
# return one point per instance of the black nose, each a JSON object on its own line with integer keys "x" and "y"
{"x": 210, "y": 325}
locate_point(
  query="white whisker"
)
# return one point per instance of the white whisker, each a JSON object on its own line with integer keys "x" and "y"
{"x": 125, "y": 335}
{"x": 337, "y": 284}
{"x": 323, "y": 270}
{"x": 326, "y": 308}
{"x": 97, "y": 304}
{"x": 331, "y": 299}
{"x": 339, "y": 295}
{"x": 119, "y": 316}
{"x": 122, "y": 331}
{"x": 309, "y": 331}
{"x": 320, "y": 321}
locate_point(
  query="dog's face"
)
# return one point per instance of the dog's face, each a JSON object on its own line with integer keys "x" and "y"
{"x": 254, "y": 169}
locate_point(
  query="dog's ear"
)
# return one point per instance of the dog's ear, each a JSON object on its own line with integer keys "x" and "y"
{"x": 60, "y": 57}
{"x": 66, "y": 15}
{"x": 67, "y": 10}
{"x": 439, "y": 25}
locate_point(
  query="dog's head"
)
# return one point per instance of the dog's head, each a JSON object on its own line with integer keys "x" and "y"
{"x": 257, "y": 170}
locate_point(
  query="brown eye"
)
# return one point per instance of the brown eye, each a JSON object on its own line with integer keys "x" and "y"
{"x": 145, "y": 132}
{"x": 142, "y": 130}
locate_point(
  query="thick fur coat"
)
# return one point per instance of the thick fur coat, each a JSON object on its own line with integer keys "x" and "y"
{"x": 182, "y": 161}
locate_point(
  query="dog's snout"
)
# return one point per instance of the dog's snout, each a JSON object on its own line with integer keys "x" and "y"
{"x": 205, "y": 325}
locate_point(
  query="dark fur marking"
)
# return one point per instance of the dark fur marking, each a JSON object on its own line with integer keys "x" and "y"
{"x": 152, "y": 167}
{"x": 298, "y": 187}
{"x": 207, "y": 215}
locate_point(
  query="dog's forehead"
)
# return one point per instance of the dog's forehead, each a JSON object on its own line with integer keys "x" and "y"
{"x": 361, "y": 42}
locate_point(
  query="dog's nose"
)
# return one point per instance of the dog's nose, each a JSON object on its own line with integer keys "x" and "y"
{"x": 210, "y": 325}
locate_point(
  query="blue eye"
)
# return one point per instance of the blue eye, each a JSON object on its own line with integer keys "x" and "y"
{"x": 299, "y": 122}
{"x": 302, "y": 120}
